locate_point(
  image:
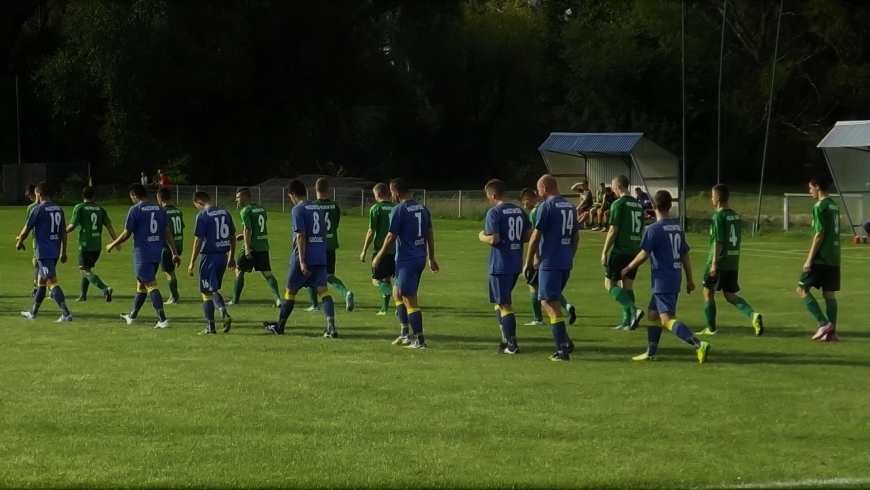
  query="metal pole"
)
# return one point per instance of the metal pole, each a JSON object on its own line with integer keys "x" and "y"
{"x": 177, "y": 193}
{"x": 215, "y": 195}
{"x": 334, "y": 193}
{"x": 682, "y": 197}
{"x": 260, "y": 196}
{"x": 18, "y": 116}
{"x": 719, "y": 111}
{"x": 362, "y": 202}
{"x": 785, "y": 212}
{"x": 283, "y": 208}
{"x": 769, "y": 117}
{"x": 424, "y": 197}
{"x": 460, "y": 204}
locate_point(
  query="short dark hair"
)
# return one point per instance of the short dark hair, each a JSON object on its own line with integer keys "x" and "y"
{"x": 663, "y": 201}
{"x": 722, "y": 191}
{"x": 30, "y": 189}
{"x": 139, "y": 191}
{"x": 608, "y": 189}
{"x": 528, "y": 193}
{"x": 201, "y": 196}
{"x": 601, "y": 184}
{"x": 89, "y": 192}
{"x": 321, "y": 185}
{"x": 164, "y": 194}
{"x": 382, "y": 190}
{"x": 297, "y": 188}
{"x": 496, "y": 186}
{"x": 400, "y": 185}
{"x": 244, "y": 191}
{"x": 621, "y": 181}
{"x": 638, "y": 189}
{"x": 43, "y": 189}
{"x": 821, "y": 181}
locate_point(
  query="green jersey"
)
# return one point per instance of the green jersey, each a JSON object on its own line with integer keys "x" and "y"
{"x": 379, "y": 222}
{"x": 175, "y": 218}
{"x": 533, "y": 215}
{"x": 90, "y": 218}
{"x": 826, "y": 220}
{"x": 332, "y": 217}
{"x": 725, "y": 230}
{"x": 626, "y": 214}
{"x": 254, "y": 219}
{"x": 29, "y": 209}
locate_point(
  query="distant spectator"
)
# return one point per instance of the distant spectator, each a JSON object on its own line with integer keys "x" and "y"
{"x": 586, "y": 200}
{"x": 143, "y": 179}
{"x": 163, "y": 180}
{"x": 604, "y": 210}
{"x": 643, "y": 197}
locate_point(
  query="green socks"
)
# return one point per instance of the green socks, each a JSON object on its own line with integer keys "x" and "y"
{"x": 831, "y": 307}
{"x": 815, "y": 310}
{"x": 338, "y": 285}
{"x": 238, "y": 286}
{"x": 96, "y": 281}
{"x": 563, "y": 301}
{"x": 537, "y": 313}
{"x": 386, "y": 293}
{"x": 273, "y": 287}
{"x": 631, "y": 296}
{"x": 710, "y": 314}
{"x": 743, "y": 307}
{"x": 83, "y": 287}
{"x": 621, "y": 296}
{"x": 173, "y": 288}
{"x": 312, "y": 295}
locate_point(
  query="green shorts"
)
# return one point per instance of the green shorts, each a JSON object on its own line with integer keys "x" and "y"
{"x": 88, "y": 259}
{"x": 259, "y": 261}
{"x": 725, "y": 281}
{"x": 166, "y": 260}
{"x": 824, "y": 277}
{"x": 330, "y": 262}
{"x": 615, "y": 265}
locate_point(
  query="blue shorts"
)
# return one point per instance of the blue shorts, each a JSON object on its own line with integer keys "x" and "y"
{"x": 211, "y": 272}
{"x": 500, "y": 288}
{"x": 316, "y": 277}
{"x": 146, "y": 273}
{"x": 408, "y": 273}
{"x": 47, "y": 268}
{"x": 664, "y": 303}
{"x": 551, "y": 284}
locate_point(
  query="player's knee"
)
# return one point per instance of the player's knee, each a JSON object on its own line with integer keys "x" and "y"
{"x": 829, "y": 294}
{"x": 730, "y": 297}
{"x": 709, "y": 294}
{"x": 207, "y": 296}
{"x": 653, "y": 315}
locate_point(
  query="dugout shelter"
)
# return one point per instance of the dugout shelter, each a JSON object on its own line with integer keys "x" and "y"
{"x": 847, "y": 152}
{"x": 599, "y": 157}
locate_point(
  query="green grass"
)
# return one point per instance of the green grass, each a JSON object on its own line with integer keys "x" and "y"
{"x": 98, "y": 403}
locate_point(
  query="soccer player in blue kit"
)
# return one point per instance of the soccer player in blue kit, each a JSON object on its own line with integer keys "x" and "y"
{"x": 411, "y": 231}
{"x": 506, "y": 228}
{"x": 307, "y": 260}
{"x": 46, "y": 220}
{"x": 664, "y": 244}
{"x": 147, "y": 224}
{"x": 552, "y": 247}
{"x": 214, "y": 237}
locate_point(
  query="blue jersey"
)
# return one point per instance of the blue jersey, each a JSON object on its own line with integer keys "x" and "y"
{"x": 214, "y": 227}
{"x": 511, "y": 223}
{"x": 310, "y": 220}
{"x": 666, "y": 244}
{"x": 410, "y": 222}
{"x": 557, "y": 224}
{"x": 147, "y": 222}
{"x": 46, "y": 221}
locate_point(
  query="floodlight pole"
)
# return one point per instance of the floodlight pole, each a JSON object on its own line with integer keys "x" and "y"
{"x": 18, "y": 116}
{"x": 757, "y": 227}
{"x": 719, "y": 110}
{"x": 683, "y": 163}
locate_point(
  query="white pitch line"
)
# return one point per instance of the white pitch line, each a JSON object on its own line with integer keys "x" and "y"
{"x": 808, "y": 483}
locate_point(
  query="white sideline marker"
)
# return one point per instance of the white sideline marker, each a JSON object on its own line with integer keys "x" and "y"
{"x": 808, "y": 483}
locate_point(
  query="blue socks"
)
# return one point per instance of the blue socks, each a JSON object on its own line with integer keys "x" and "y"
{"x": 509, "y": 328}
{"x": 60, "y": 299}
{"x": 286, "y": 310}
{"x": 138, "y": 302}
{"x": 157, "y": 302}
{"x": 560, "y": 334}
{"x": 37, "y": 300}
{"x": 498, "y": 318}
{"x": 653, "y": 336}
{"x": 328, "y": 305}
{"x": 402, "y": 313}
{"x": 685, "y": 334}
{"x": 219, "y": 303}
{"x": 208, "y": 310}
{"x": 415, "y": 319}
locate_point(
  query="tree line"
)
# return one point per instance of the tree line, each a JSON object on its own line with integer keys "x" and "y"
{"x": 443, "y": 93}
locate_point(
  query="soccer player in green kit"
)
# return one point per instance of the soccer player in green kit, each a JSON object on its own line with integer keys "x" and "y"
{"x": 30, "y": 193}
{"x": 254, "y": 254}
{"x": 621, "y": 246}
{"x": 379, "y": 228}
{"x": 175, "y": 220}
{"x": 530, "y": 201}
{"x": 90, "y": 218}
{"x": 822, "y": 268}
{"x": 723, "y": 262}
{"x": 333, "y": 219}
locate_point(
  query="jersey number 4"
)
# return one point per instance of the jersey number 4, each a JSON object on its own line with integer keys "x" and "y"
{"x": 732, "y": 236}
{"x": 567, "y": 222}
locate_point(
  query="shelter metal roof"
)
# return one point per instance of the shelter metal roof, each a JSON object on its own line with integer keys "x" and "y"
{"x": 848, "y": 134}
{"x": 591, "y": 142}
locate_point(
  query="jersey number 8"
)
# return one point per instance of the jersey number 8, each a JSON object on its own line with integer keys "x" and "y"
{"x": 515, "y": 229}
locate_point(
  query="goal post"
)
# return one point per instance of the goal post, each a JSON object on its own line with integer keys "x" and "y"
{"x": 854, "y": 210}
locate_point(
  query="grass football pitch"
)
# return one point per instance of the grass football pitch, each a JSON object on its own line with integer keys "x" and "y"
{"x": 99, "y": 403}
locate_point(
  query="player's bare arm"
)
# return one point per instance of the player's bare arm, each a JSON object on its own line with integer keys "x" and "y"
{"x": 231, "y": 261}
{"x": 170, "y": 241}
{"x": 123, "y": 237}
{"x": 370, "y": 237}
{"x": 608, "y": 242}
{"x": 301, "y": 243}
{"x": 714, "y": 265}
{"x": 532, "y": 252}
{"x": 246, "y": 236}
{"x": 430, "y": 246}
{"x": 491, "y": 240}
{"x": 388, "y": 242}
{"x": 194, "y": 253}
{"x": 687, "y": 266}
{"x": 19, "y": 245}
{"x": 638, "y": 261}
{"x": 575, "y": 242}
{"x": 113, "y": 234}
{"x": 814, "y": 249}
{"x": 63, "y": 242}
